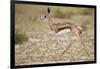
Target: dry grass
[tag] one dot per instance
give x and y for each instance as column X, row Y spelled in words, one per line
column 42, row 46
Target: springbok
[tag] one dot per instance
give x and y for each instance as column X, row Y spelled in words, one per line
column 62, row 26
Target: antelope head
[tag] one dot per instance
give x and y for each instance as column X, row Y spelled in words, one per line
column 48, row 12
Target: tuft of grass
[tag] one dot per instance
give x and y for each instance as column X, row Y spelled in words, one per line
column 20, row 37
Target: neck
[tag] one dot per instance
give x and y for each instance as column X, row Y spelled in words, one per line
column 50, row 22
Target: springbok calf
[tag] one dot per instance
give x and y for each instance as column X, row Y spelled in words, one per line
column 62, row 26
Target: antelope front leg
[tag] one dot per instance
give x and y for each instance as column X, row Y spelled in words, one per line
column 62, row 46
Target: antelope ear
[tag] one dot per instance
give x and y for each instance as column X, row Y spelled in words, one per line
column 48, row 10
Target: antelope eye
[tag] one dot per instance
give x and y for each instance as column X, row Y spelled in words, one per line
column 44, row 17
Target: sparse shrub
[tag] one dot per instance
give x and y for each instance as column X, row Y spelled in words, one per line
column 58, row 13
column 69, row 13
column 63, row 14
column 20, row 38
column 87, row 11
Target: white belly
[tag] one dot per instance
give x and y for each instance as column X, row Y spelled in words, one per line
column 63, row 31
column 63, row 37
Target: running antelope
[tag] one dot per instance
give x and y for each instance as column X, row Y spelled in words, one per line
column 62, row 25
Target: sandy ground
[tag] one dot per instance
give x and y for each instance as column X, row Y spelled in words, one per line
column 48, row 48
